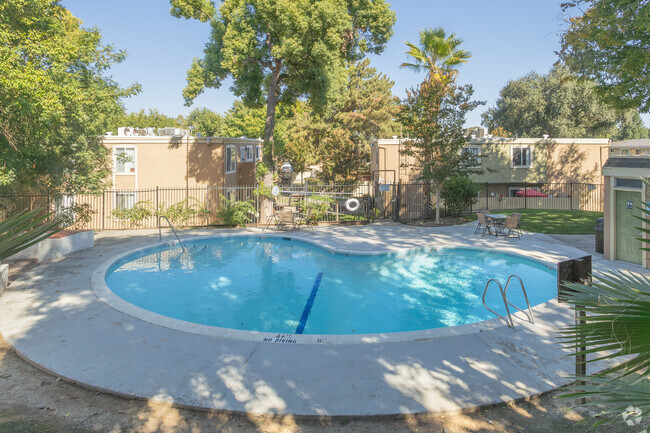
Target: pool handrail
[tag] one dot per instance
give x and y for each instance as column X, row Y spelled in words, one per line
column 171, row 227
column 506, row 302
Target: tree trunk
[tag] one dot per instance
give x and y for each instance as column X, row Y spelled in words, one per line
column 428, row 207
column 437, row 204
column 269, row 128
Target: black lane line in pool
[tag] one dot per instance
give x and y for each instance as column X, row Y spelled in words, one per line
column 308, row 305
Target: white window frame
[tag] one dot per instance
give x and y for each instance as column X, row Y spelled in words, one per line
column 512, row 154
column 135, row 160
column 124, row 193
column 478, row 153
column 232, row 158
column 250, row 157
column 242, row 154
column 258, row 152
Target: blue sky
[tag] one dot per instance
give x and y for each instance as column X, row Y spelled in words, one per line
column 507, row 39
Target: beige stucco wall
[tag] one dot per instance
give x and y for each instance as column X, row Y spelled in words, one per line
column 561, row 160
column 181, row 161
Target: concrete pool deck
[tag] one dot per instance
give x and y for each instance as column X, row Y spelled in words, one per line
column 54, row 319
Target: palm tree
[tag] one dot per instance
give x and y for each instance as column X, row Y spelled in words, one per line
column 437, row 54
column 440, row 56
column 616, row 308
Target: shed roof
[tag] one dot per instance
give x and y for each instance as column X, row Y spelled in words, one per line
column 627, row 163
column 639, row 142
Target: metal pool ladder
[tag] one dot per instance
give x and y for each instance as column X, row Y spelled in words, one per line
column 171, row 227
column 506, row 303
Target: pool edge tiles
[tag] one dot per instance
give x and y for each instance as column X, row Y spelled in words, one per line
column 98, row 281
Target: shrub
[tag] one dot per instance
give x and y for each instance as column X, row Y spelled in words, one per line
column 235, row 213
column 459, row 193
column 180, row 212
column 319, row 205
column 76, row 216
column 134, row 217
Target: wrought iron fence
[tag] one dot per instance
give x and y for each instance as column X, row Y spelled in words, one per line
column 202, row 206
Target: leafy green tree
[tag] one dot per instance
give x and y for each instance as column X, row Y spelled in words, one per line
column 610, row 44
column 207, row 122
column 630, row 126
column 55, row 101
column 341, row 135
column 556, row 104
column 433, row 114
column 280, row 49
column 151, row 118
column 438, row 54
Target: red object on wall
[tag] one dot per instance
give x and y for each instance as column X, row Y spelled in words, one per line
column 530, row 193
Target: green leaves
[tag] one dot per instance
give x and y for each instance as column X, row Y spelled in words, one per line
column 54, row 99
column 557, row 104
column 25, row 229
column 202, row 10
column 610, row 44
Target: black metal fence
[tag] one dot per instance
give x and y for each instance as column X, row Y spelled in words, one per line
column 201, row 206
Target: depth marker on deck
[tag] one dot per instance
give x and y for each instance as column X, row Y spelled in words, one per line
column 309, row 304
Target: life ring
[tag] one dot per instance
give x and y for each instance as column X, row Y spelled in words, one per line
column 352, row 204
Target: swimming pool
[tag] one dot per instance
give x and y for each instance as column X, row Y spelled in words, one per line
column 279, row 285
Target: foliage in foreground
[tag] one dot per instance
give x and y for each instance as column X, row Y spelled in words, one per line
column 616, row 328
column 25, row 229
column 49, row 136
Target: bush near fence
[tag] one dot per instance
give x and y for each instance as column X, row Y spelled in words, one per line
column 377, row 201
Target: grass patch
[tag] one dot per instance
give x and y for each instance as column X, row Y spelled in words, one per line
column 560, row 222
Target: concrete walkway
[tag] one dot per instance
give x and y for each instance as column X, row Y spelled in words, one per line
column 55, row 320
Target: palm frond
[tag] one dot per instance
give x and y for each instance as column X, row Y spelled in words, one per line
column 25, row 229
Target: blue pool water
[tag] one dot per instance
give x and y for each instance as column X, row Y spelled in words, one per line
column 283, row 286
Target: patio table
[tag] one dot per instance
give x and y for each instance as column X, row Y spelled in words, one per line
column 498, row 219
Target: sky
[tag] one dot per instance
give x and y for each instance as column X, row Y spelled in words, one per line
column 507, row 39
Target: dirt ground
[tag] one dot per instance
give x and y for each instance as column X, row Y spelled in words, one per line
column 32, row 401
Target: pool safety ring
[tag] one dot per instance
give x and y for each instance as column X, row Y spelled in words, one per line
column 352, row 204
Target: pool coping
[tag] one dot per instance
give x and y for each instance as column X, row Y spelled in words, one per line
column 54, row 320
column 105, row 294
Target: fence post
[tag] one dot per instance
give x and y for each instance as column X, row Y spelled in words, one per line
column 525, row 195
column 571, row 195
column 487, row 196
column 337, row 210
column 103, row 209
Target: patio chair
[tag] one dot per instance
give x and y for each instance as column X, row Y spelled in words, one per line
column 304, row 219
column 484, row 223
column 511, row 227
column 284, row 219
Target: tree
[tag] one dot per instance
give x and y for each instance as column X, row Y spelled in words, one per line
column 151, row 118
column 437, row 54
column 341, row 135
column 433, row 114
column 630, row 126
column 55, row 101
column 207, row 122
column 556, row 104
column 610, row 44
column 281, row 49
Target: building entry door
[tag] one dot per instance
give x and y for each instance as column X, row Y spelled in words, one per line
column 627, row 227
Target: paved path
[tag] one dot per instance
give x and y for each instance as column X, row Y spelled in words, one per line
column 54, row 319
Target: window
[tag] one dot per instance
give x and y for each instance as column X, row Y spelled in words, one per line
column 625, row 152
column 124, row 200
column 258, row 153
column 231, row 159
column 246, row 153
column 242, row 154
column 249, row 152
column 628, row 183
column 474, row 151
column 124, row 160
column 522, row 157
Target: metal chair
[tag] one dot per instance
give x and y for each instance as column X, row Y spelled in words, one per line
column 511, row 227
column 484, row 223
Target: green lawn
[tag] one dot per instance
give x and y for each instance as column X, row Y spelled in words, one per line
column 574, row 222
